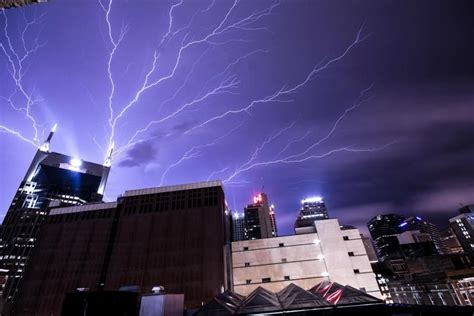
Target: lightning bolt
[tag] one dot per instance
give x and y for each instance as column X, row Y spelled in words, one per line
column 195, row 151
column 285, row 91
column 305, row 154
column 150, row 80
column 16, row 63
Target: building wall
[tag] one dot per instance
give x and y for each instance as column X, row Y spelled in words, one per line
column 306, row 259
column 69, row 255
column 177, row 237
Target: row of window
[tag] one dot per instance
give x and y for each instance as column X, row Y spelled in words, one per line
column 173, row 205
column 267, row 280
column 70, row 217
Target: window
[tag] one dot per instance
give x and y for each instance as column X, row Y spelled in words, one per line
column 281, row 245
column 266, row 280
column 351, row 254
column 248, row 281
column 345, row 237
column 283, row 260
column 246, row 248
column 356, row 271
column 287, row 277
column 247, row 264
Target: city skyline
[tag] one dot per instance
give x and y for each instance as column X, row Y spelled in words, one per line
column 383, row 89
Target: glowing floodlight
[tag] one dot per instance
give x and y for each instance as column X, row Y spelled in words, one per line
column 75, row 162
column 325, row 274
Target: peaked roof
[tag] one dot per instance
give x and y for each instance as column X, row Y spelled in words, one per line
column 294, row 297
column 323, row 295
column 260, row 300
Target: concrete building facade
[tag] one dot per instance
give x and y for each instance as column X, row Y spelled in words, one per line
column 303, row 259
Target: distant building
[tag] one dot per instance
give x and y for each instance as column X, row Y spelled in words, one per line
column 173, row 236
column 451, row 241
column 423, row 230
column 463, row 227
column 329, row 254
column 238, row 227
column 258, row 221
column 383, row 230
column 312, row 209
column 51, row 178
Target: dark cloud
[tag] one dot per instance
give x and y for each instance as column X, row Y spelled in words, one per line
column 140, row 155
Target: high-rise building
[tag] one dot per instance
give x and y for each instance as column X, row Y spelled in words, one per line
column 176, row 236
column 258, row 222
column 424, row 228
column 238, row 227
column 383, row 230
column 451, row 241
column 312, row 209
column 50, row 178
column 331, row 254
column 463, row 227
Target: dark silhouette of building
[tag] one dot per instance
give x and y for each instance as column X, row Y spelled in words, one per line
column 258, row 221
column 383, row 230
column 463, row 227
column 312, row 209
column 175, row 236
column 51, row 178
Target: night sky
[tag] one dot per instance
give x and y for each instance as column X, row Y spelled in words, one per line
column 404, row 144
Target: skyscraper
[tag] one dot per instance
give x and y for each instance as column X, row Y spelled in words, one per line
column 383, row 230
column 312, row 209
column 258, row 223
column 50, row 178
column 238, row 227
column 463, row 227
column 416, row 223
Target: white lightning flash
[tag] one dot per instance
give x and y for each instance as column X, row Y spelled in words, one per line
column 16, row 64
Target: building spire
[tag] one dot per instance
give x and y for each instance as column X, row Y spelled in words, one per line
column 45, row 146
column 108, row 156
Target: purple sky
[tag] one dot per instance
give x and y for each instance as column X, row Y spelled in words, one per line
column 416, row 58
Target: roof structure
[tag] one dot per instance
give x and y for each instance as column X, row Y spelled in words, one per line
column 325, row 295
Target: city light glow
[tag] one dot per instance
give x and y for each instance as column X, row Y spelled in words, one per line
column 312, row 199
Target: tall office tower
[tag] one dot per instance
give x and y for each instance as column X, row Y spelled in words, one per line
column 50, row 177
column 258, row 223
column 463, row 227
column 176, row 236
column 238, row 227
column 273, row 221
column 422, row 227
column 383, row 230
column 312, row 209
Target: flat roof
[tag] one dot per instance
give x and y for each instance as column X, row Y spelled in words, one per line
column 82, row 208
column 171, row 188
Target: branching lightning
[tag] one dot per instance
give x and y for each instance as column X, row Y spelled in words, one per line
column 16, row 67
column 151, row 79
